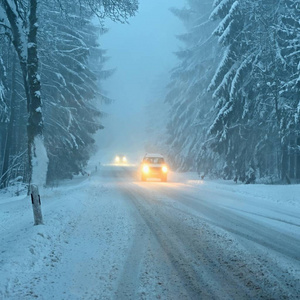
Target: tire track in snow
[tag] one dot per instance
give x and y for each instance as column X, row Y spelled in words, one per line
column 195, row 264
column 238, row 224
column 260, row 272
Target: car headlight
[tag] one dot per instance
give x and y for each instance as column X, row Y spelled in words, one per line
column 164, row 169
column 117, row 159
column 124, row 159
column 146, row 169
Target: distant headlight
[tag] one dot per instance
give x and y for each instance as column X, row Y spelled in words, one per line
column 117, row 159
column 124, row 159
column 146, row 169
column 164, row 169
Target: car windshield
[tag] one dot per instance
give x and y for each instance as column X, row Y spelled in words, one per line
column 154, row 160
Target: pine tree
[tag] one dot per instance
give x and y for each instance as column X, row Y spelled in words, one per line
column 250, row 127
column 19, row 21
column 70, row 87
column 288, row 58
column 13, row 125
column 249, row 85
column 188, row 99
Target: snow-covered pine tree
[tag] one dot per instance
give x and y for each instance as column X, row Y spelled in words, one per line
column 188, row 99
column 13, row 159
column 19, row 20
column 231, row 128
column 287, row 34
column 275, row 74
column 70, row 85
column 255, row 118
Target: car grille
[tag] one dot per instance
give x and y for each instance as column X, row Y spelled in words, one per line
column 155, row 169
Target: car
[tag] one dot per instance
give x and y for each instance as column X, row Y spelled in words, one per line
column 120, row 159
column 154, row 166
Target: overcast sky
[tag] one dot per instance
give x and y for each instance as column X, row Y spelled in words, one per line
column 142, row 53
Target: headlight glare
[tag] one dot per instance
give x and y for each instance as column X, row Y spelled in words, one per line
column 164, row 169
column 146, row 169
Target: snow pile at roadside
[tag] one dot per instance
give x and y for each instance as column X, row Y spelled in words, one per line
column 26, row 249
column 85, row 236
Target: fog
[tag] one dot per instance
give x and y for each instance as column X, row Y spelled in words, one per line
column 231, row 109
column 142, row 52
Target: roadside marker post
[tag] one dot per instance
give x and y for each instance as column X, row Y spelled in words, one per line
column 36, row 205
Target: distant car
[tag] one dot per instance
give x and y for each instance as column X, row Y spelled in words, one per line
column 120, row 159
column 154, row 166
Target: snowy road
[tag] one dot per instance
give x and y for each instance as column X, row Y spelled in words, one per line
column 114, row 237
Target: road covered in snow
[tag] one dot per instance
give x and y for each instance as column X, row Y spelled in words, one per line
column 111, row 236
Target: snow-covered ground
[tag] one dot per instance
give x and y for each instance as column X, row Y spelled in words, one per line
column 110, row 236
column 286, row 195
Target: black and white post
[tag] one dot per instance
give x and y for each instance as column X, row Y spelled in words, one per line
column 36, row 204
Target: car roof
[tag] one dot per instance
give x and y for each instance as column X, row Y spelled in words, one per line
column 153, row 155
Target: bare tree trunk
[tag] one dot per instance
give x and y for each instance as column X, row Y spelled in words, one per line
column 284, row 164
column 35, row 120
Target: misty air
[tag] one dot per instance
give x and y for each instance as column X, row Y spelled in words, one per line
column 149, row 149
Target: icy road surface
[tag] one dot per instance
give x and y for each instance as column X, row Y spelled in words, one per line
column 111, row 236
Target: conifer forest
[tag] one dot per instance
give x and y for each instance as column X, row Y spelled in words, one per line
column 233, row 98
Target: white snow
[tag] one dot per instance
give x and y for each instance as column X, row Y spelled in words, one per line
column 219, row 7
column 38, row 94
column 39, row 162
column 1, row 91
column 31, row 45
column 89, row 227
column 283, row 195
